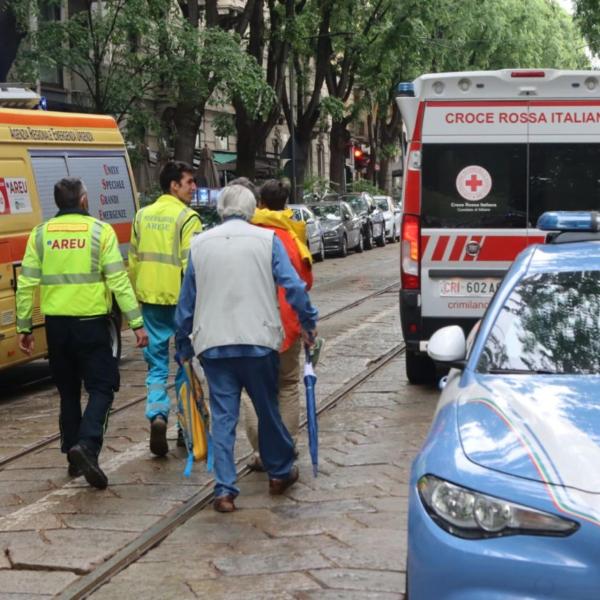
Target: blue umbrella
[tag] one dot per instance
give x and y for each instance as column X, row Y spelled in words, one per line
column 310, row 379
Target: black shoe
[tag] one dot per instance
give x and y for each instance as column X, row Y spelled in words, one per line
column 180, row 439
column 84, row 460
column 158, row 436
column 74, row 470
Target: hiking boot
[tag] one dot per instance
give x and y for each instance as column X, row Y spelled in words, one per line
column 158, row 436
column 74, row 470
column 278, row 486
column 180, row 439
column 87, row 462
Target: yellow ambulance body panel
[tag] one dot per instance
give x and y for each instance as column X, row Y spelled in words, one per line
column 37, row 148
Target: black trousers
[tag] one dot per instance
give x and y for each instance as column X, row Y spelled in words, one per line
column 80, row 350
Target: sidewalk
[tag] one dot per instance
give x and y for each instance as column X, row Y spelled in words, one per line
column 341, row 535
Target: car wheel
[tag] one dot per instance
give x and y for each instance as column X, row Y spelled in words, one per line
column 419, row 368
column 381, row 240
column 344, row 247
column 320, row 255
column 360, row 246
column 368, row 239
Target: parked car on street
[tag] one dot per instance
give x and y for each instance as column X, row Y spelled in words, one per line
column 505, row 492
column 341, row 227
column 373, row 224
column 314, row 231
column 208, row 215
column 391, row 215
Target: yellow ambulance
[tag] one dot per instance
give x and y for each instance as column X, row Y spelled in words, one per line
column 37, row 148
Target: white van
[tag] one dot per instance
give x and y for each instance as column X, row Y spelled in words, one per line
column 488, row 152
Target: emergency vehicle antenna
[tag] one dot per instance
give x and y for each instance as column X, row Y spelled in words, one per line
column 18, row 95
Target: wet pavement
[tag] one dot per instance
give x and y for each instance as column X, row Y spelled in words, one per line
column 341, row 535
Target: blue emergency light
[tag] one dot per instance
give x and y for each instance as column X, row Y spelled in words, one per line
column 580, row 220
column 405, row 88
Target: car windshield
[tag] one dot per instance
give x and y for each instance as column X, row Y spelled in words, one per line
column 550, row 323
column 382, row 203
column 356, row 203
column 327, row 211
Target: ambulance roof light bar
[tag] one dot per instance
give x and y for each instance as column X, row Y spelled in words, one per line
column 18, row 95
column 505, row 84
column 565, row 220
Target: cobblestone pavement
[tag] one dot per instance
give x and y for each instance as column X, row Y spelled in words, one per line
column 340, row 535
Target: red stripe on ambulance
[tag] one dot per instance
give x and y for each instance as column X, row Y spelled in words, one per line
column 440, row 247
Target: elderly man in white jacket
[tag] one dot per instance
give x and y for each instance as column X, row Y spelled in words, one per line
column 227, row 315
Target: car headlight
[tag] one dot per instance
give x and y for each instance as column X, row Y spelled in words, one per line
column 468, row 514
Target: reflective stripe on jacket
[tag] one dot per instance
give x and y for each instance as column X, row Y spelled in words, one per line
column 75, row 259
column 160, row 244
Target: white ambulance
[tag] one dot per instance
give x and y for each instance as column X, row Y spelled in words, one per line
column 488, row 152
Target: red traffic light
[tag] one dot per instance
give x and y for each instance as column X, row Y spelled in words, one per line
column 358, row 153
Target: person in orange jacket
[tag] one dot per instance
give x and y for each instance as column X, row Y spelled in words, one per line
column 273, row 214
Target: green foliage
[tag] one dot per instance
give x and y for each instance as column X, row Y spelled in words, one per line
column 316, row 185
column 362, row 185
column 587, row 15
column 223, row 125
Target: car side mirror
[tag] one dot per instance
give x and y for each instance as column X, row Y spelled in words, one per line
column 371, row 209
column 397, row 211
column 347, row 217
column 310, row 221
column 448, row 347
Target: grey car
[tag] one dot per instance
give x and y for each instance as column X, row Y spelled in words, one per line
column 373, row 223
column 392, row 216
column 314, row 232
column 341, row 227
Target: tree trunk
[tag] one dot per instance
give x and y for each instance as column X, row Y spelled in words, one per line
column 303, row 147
column 248, row 145
column 382, row 175
column 338, row 148
column 187, row 122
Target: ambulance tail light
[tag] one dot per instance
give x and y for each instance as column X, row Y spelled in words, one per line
column 410, row 252
column 527, row 74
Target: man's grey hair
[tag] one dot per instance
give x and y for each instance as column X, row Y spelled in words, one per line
column 236, row 201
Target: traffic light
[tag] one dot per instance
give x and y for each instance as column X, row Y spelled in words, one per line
column 361, row 159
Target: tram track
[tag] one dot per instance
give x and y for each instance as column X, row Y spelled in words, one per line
column 47, row 440
column 150, row 538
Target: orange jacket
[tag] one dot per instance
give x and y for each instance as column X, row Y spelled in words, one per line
column 289, row 319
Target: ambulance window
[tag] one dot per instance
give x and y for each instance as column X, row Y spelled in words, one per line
column 48, row 170
column 563, row 177
column 504, row 205
column 107, row 180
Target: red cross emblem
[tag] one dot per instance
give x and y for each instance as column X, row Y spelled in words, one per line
column 473, row 183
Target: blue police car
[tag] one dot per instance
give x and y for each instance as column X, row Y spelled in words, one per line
column 505, row 493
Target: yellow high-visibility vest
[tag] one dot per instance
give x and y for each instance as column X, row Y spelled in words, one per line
column 161, row 236
column 75, row 259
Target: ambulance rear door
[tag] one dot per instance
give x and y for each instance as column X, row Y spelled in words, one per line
column 564, row 157
column 474, row 220
column 106, row 176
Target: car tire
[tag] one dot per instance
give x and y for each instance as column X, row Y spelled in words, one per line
column 381, row 240
column 420, row 369
column 368, row 241
column 320, row 255
column 360, row 246
column 344, row 247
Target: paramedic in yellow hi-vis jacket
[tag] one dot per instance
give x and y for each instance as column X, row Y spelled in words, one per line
column 158, row 255
column 75, row 260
